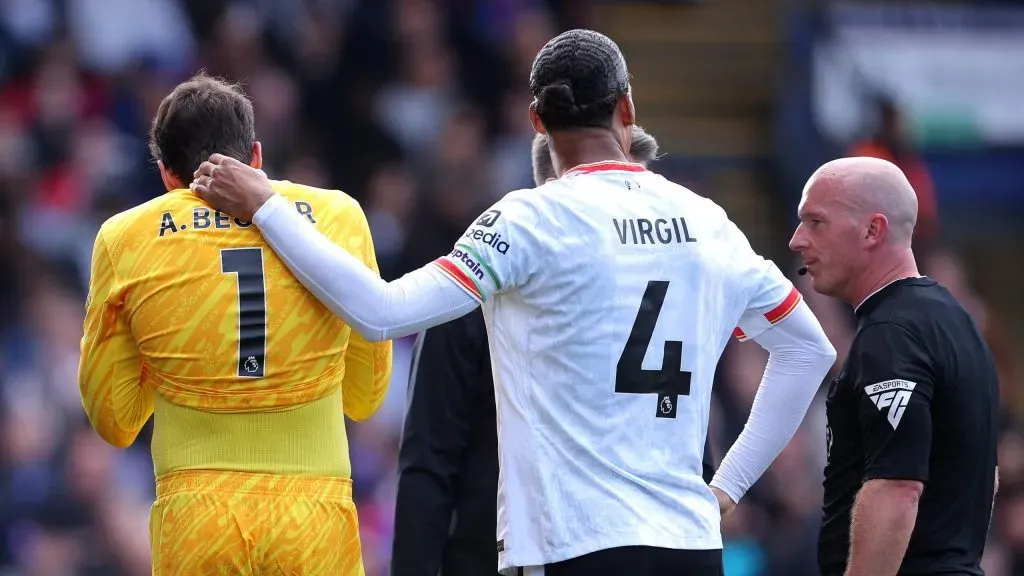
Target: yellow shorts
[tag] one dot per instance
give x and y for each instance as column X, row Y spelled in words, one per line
column 211, row 523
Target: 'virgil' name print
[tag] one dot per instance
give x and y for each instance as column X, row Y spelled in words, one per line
column 656, row 231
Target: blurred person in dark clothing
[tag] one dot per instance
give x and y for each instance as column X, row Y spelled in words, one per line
column 64, row 523
column 889, row 142
column 913, row 414
column 9, row 244
column 391, row 199
column 457, row 186
column 445, row 514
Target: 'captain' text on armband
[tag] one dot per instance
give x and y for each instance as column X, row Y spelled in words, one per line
column 202, row 218
column 468, row 262
column 468, row 270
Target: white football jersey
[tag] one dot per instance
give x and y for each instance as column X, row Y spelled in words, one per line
column 609, row 296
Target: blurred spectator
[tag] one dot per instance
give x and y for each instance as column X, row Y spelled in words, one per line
column 890, row 142
column 156, row 29
column 392, row 196
column 946, row 268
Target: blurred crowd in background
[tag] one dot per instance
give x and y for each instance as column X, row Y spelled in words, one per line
column 418, row 109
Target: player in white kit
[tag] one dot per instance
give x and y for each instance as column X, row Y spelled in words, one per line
column 609, row 296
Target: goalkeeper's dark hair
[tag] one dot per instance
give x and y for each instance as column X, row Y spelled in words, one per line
column 202, row 116
column 577, row 80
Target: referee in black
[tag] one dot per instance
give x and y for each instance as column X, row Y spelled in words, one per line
column 446, row 508
column 912, row 415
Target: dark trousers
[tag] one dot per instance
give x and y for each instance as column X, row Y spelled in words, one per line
column 641, row 561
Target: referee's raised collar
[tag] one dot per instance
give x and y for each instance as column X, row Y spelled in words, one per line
column 869, row 303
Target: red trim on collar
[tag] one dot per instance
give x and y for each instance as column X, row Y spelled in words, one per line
column 604, row 167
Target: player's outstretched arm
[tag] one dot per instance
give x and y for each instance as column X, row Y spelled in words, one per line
column 799, row 357
column 367, row 364
column 117, row 403
column 376, row 309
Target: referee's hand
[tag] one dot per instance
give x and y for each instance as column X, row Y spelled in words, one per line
column 725, row 504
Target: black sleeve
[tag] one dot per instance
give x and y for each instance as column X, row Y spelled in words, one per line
column 894, row 382
column 442, row 388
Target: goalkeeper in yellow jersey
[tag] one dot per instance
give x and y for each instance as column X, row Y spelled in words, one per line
column 193, row 319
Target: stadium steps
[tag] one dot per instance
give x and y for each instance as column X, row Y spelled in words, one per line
column 704, row 83
column 703, row 74
column 742, row 194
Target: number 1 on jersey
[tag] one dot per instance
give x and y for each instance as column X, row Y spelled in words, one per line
column 247, row 265
column 669, row 382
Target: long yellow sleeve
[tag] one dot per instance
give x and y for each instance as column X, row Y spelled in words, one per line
column 367, row 364
column 367, row 375
column 116, row 401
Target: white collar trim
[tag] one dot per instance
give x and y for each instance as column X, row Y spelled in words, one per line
column 882, row 288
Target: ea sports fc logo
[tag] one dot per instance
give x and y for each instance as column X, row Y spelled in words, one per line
column 492, row 239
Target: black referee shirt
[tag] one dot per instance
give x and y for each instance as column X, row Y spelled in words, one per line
column 446, row 509
column 916, row 399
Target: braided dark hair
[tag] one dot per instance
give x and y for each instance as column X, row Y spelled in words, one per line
column 577, row 79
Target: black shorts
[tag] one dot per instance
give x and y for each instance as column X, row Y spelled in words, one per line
column 638, row 561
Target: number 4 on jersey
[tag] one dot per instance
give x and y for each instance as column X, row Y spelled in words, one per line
column 669, row 382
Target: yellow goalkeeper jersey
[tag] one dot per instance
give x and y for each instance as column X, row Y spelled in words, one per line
column 192, row 317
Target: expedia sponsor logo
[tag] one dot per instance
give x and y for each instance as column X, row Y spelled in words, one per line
column 492, row 239
column 488, row 218
column 467, row 261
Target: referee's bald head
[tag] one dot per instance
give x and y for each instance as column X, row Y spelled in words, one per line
column 857, row 217
column 869, row 186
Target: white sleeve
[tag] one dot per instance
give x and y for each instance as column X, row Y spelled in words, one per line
column 800, row 356
column 770, row 296
column 376, row 309
column 494, row 254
